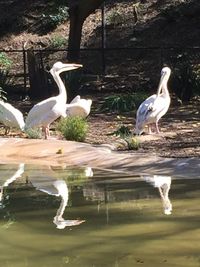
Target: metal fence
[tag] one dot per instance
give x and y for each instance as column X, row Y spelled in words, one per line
column 125, row 59
column 139, row 63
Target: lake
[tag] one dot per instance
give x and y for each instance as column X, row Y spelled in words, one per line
column 61, row 216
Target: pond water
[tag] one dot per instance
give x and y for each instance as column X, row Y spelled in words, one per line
column 58, row 216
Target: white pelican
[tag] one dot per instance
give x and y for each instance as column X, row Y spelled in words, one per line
column 48, row 110
column 79, row 107
column 155, row 106
column 11, row 117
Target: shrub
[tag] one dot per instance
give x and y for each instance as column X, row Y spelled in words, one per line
column 56, row 17
column 34, row 133
column 5, row 62
column 186, row 81
column 132, row 142
column 73, row 128
column 2, row 94
column 123, row 103
column 122, row 131
column 114, row 17
column 58, row 41
column 5, row 65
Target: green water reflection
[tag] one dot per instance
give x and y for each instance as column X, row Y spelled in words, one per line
column 56, row 216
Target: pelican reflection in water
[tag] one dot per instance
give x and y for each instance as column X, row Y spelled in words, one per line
column 45, row 181
column 8, row 177
column 163, row 183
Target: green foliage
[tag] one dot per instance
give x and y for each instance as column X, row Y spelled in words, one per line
column 186, row 81
column 5, row 62
column 114, row 17
column 5, row 81
column 73, row 128
column 123, row 103
column 55, row 17
column 34, row 133
column 2, row 94
column 58, row 41
column 72, row 81
column 122, row 131
column 132, row 142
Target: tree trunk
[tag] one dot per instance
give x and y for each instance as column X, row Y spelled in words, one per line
column 76, row 24
column 79, row 10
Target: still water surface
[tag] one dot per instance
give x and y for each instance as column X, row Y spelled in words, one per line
column 57, row 216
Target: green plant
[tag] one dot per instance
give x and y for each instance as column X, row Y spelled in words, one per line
column 132, row 142
column 122, row 131
column 72, row 81
column 2, row 94
column 186, row 81
column 5, row 65
column 58, row 41
column 5, row 62
column 34, row 133
column 73, row 128
column 114, row 17
column 123, row 103
column 56, row 17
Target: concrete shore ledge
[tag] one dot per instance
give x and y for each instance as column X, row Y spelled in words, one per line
column 55, row 152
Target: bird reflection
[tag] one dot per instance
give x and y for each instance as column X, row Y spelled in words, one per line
column 45, row 180
column 163, row 183
column 8, row 179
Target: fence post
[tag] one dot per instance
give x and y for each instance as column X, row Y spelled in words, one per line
column 24, row 64
column 103, row 37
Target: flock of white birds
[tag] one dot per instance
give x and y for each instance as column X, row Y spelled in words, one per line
column 47, row 111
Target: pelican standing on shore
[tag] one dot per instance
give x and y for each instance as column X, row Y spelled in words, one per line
column 155, row 106
column 50, row 109
column 11, row 117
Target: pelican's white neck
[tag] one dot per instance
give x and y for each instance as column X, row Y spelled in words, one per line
column 62, row 90
column 162, row 87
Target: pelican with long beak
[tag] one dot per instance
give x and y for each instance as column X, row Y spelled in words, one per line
column 155, row 106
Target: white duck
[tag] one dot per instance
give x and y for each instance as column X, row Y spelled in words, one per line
column 155, row 106
column 48, row 110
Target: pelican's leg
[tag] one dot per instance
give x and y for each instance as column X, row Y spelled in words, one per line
column 45, row 130
column 48, row 132
column 7, row 130
column 157, row 129
column 149, row 129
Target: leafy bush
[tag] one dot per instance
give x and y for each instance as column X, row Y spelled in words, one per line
column 5, row 62
column 114, row 17
column 132, row 142
column 56, row 17
column 186, row 81
column 34, row 133
column 58, row 41
column 122, row 131
column 2, row 94
column 73, row 128
column 123, row 103
column 5, row 65
column 72, row 81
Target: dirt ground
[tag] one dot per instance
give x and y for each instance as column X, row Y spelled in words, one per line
column 179, row 137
